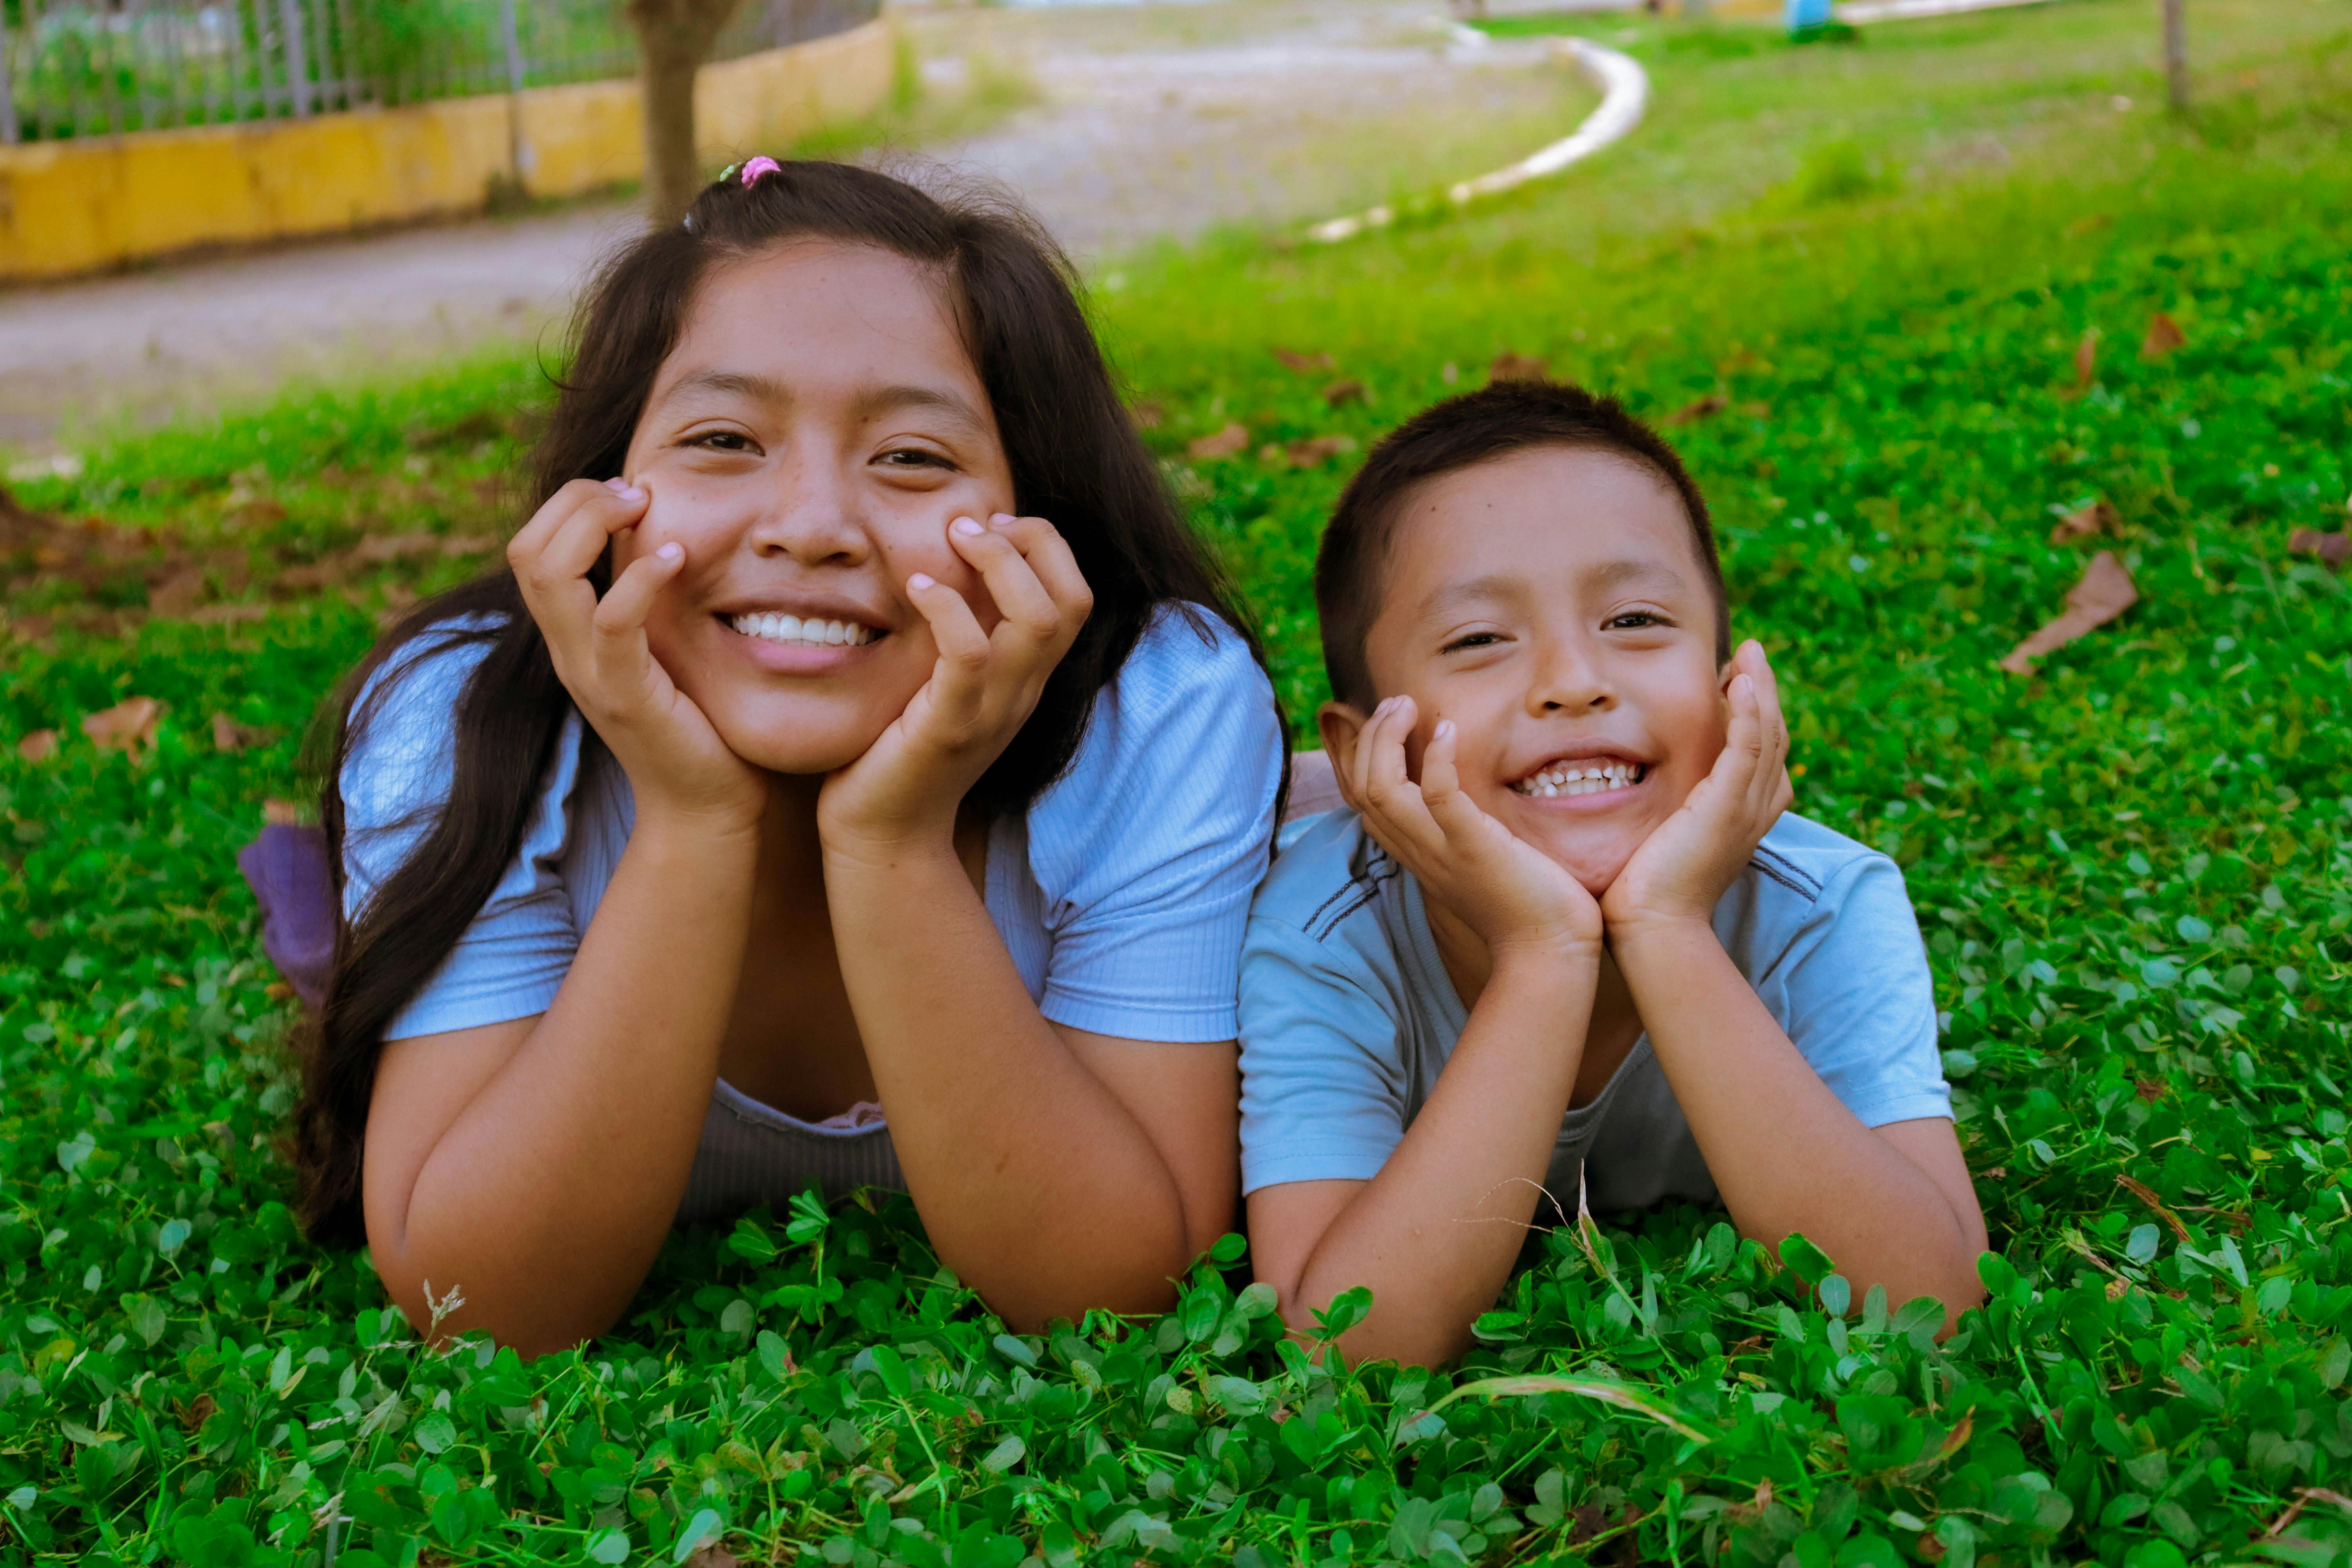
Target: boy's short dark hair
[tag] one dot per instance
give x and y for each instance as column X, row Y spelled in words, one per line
column 1508, row 416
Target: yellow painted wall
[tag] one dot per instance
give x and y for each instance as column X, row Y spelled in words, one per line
column 83, row 206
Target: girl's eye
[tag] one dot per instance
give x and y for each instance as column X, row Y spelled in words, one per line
column 721, row 441
column 913, row 458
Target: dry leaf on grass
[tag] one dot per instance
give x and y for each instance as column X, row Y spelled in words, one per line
column 713, row 1555
column 229, row 735
column 1304, row 364
column 2333, row 548
column 1342, row 393
column 1318, row 449
column 1706, row 407
column 2098, row 517
column 1759, row 409
column 32, row 628
column 129, row 724
column 1223, row 443
column 2086, row 363
column 1518, row 367
column 281, row 812
column 2106, row 591
column 1147, row 415
column 38, row 746
column 2164, row 335
column 2089, row 225
column 458, row 544
column 178, row 594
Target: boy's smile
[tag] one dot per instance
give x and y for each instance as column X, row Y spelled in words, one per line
column 1552, row 604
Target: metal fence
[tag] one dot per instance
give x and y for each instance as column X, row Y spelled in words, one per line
column 98, row 68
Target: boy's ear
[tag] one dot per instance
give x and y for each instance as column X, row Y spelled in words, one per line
column 1339, row 723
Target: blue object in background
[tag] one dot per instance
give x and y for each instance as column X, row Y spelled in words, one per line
column 1804, row 13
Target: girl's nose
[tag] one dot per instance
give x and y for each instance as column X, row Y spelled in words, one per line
column 810, row 517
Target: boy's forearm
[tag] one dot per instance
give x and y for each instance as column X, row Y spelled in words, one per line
column 1785, row 1153
column 1435, row 1232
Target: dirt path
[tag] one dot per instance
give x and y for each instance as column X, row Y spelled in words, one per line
column 1156, row 121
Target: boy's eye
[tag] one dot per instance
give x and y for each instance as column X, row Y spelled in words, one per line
column 1633, row 619
column 1474, row 639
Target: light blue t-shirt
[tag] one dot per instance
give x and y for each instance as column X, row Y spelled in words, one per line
column 1121, row 893
column 1349, row 1016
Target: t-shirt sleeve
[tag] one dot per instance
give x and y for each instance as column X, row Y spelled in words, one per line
column 1323, row 1080
column 1859, row 1001
column 1146, row 850
column 510, row 961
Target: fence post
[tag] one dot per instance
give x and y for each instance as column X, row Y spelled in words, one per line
column 8, row 98
column 519, row 155
column 297, row 67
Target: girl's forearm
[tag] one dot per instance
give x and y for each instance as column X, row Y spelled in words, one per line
column 1785, row 1153
column 1435, row 1233
column 547, row 1199
column 1036, row 1185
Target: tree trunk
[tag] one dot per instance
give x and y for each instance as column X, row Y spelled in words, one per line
column 673, row 37
column 2175, row 55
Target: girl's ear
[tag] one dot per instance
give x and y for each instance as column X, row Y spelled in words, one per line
column 1339, row 723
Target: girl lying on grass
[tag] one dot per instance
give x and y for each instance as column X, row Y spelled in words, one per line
column 856, row 735
column 1566, row 928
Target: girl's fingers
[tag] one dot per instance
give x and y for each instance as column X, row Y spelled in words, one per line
column 1049, row 556
column 963, row 646
column 1020, row 597
column 618, row 645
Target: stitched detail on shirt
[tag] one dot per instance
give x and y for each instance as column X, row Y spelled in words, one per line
column 1787, row 872
column 1788, row 877
column 1358, row 891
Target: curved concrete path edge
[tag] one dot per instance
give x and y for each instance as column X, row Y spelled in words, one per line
column 1624, row 94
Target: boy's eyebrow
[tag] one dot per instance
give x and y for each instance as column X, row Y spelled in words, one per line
column 1495, row 585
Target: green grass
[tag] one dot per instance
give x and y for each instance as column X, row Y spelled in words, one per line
column 2133, row 868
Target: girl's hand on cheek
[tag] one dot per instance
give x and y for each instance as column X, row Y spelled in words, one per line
column 982, row 688
column 1683, row 869
column 677, row 766
column 1515, row 898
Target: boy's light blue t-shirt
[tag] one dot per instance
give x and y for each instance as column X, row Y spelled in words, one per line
column 1347, row 1014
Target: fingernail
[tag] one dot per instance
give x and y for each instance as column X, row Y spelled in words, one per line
column 616, row 484
column 919, row 580
column 630, row 492
column 1002, row 518
column 1444, row 728
column 673, row 551
column 965, row 526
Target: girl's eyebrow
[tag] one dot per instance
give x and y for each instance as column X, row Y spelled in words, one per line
column 880, row 400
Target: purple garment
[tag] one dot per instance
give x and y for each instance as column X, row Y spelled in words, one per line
column 286, row 868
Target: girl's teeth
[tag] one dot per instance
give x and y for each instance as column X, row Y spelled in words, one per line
column 775, row 627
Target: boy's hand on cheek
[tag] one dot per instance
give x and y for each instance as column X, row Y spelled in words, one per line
column 1682, row 869
column 1515, row 897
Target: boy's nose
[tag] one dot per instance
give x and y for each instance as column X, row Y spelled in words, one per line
column 1567, row 680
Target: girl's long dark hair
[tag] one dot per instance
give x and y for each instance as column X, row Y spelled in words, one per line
column 1076, row 459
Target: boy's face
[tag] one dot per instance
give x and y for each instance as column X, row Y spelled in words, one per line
column 1552, row 604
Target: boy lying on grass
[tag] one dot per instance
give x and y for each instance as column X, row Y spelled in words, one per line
column 1568, row 928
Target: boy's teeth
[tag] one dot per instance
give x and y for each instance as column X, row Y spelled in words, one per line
column 772, row 625
column 1587, row 778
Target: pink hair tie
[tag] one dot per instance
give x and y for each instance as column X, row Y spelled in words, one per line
column 759, row 166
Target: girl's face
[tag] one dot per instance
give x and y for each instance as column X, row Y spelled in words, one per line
column 809, row 441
